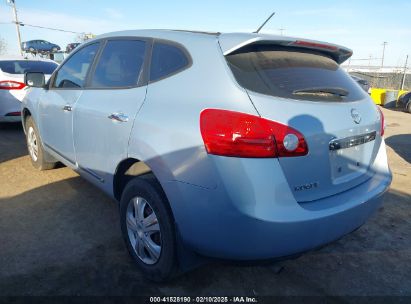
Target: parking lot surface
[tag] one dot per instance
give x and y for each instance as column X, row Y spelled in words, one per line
column 59, row 235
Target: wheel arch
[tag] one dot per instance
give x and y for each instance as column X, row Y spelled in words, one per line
column 126, row 170
column 25, row 113
column 130, row 168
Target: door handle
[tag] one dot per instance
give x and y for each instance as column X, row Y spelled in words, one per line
column 67, row 108
column 120, row 117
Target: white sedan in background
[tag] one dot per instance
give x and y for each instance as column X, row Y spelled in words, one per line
column 12, row 87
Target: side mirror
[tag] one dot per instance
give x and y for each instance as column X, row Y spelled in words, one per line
column 34, row 79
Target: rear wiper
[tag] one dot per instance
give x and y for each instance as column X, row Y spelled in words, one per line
column 321, row 91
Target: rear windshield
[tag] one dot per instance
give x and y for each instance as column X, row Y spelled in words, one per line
column 292, row 73
column 24, row 66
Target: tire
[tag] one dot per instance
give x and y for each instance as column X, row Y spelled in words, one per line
column 408, row 106
column 144, row 193
column 35, row 147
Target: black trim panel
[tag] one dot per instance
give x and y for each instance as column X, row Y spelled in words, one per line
column 352, row 141
column 96, row 176
column 61, row 155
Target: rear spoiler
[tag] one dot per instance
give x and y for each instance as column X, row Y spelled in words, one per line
column 233, row 42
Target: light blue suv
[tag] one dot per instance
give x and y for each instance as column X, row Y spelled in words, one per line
column 232, row 146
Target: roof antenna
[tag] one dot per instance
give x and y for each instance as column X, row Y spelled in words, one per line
column 262, row 25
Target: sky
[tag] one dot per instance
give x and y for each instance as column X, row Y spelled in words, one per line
column 360, row 25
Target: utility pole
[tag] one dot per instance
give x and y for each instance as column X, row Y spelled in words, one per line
column 281, row 31
column 12, row 3
column 383, row 52
column 405, row 73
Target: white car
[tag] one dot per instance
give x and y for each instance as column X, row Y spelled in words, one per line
column 12, row 87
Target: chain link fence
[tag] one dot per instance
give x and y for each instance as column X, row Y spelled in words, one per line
column 387, row 77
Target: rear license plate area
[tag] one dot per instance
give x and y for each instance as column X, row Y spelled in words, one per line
column 350, row 157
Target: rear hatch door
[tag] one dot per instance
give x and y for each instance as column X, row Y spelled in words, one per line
column 303, row 86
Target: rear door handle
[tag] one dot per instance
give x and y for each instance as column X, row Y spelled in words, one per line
column 67, row 108
column 120, row 117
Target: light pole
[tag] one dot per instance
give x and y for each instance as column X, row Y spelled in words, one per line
column 383, row 52
column 405, row 73
column 12, row 3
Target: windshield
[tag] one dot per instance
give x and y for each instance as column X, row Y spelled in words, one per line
column 24, row 66
column 292, row 73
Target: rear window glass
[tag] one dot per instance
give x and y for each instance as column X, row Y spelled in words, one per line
column 166, row 60
column 292, row 73
column 24, row 66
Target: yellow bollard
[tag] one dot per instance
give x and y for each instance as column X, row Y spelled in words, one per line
column 378, row 95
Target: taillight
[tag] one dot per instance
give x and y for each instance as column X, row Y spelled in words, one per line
column 230, row 133
column 14, row 114
column 11, row 85
column 382, row 122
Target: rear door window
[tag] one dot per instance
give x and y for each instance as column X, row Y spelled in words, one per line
column 120, row 64
column 24, row 66
column 166, row 60
column 73, row 72
column 292, row 73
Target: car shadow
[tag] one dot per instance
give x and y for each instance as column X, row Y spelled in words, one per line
column 12, row 141
column 401, row 144
column 64, row 238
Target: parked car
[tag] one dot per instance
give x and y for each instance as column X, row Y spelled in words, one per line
column 405, row 102
column 71, row 46
column 12, row 87
column 39, row 46
column 233, row 146
column 364, row 84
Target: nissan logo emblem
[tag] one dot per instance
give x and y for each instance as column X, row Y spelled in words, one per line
column 355, row 116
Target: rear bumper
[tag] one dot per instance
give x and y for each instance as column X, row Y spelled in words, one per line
column 251, row 218
column 9, row 103
column 10, row 118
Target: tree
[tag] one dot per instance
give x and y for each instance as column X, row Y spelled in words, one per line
column 3, row 46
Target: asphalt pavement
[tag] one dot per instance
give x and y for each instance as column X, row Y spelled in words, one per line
column 59, row 235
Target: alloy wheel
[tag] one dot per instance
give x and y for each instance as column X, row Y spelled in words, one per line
column 32, row 144
column 143, row 230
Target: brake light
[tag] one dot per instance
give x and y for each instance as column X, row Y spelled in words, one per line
column 230, row 133
column 382, row 122
column 11, row 85
column 314, row 45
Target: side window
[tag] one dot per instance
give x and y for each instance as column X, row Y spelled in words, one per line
column 120, row 64
column 73, row 73
column 166, row 59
